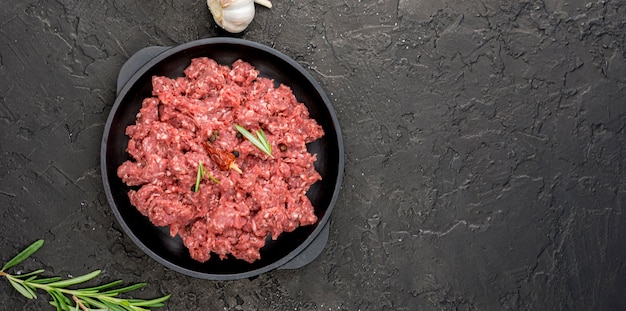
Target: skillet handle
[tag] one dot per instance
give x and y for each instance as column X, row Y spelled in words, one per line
column 135, row 62
column 310, row 252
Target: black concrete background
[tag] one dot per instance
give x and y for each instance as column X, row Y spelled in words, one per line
column 485, row 150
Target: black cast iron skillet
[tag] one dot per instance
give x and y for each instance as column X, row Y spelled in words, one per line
column 291, row 250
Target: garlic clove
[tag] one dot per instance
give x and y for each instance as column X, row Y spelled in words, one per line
column 265, row 3
column 234, row 15
column 215, row 6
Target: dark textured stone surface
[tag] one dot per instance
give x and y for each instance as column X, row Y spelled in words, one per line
column 485, row 150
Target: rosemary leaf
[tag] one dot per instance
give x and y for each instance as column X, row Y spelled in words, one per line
column 23, row 290
column 124, row 289
column 76, row 280
column 55, row 303
column 263, row 140
column 113, row 307
column 104, row 286
column 202, row 172
column 94, row 302
column 46, row 280
column 23, row 255
column 205, row 173
column 260, row 140
column 31, row 274
column 198, row 177
column 153, row 303
column 31, row 291
column 63, row 301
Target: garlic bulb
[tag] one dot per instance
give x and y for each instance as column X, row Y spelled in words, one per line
column 234, row 15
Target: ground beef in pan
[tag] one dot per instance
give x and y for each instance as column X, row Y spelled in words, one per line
column 237, row 213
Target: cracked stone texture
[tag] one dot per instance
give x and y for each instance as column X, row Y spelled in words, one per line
column 485, row 150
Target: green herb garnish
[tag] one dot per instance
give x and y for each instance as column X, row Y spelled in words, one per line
column 202, row 172
column 102, row 297
column 260, row 141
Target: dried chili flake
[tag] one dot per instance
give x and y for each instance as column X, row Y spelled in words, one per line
column 224, row 159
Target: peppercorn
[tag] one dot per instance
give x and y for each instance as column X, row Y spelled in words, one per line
column 214, row 135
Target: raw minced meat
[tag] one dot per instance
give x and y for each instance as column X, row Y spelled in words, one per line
column 235, row 212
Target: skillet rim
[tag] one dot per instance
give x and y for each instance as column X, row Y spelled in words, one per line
column 320, row 225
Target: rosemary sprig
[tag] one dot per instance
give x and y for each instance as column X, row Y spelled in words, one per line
column 102, row 297
column 260, row 140
column 202, row 172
